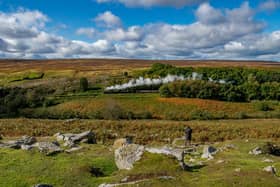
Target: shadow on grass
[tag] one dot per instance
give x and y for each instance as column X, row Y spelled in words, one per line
column 193, row 168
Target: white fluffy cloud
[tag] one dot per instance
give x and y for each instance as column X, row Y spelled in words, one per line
column 108, row 19
column 269, row 5
column 230, row 33
column 151, row 3
column 89, row 32
column 22, row 35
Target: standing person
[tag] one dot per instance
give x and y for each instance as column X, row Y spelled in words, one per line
column 188, row 136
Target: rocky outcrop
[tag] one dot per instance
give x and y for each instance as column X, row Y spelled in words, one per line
column 208, row 152
column 256, row 151
column 120, row 143
column 48, row 148
column 72, row 139
column 177, row 153
column 24, row 142
column 127, row 155
column 270, row 169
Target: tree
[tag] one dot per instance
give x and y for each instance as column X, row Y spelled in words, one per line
column 83, row 84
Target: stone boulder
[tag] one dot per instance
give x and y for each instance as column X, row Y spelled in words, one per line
column 28, row 140
column 120, row 143
column 177, row 153
column 256, row 151
column 208, row 152
column 18, row 144
column 270, row 169
column 43, row 185
column 48, row 148
column 85, row 137
column 127, row 155
column 26, row 147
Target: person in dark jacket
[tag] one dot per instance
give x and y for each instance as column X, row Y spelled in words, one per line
column 188, row 136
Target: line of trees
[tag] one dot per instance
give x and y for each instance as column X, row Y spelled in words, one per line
column 227, row 92
column 235, row 75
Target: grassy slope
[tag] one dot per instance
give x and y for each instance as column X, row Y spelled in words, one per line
column 161, row 108
column 147, row 131
column 20, row 168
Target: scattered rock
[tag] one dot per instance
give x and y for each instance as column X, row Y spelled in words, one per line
column 126, row 156
column 43, row 185
column 256, row 151
column 192, row 160
column 208, row 152
column 120, row 143
column 227, row 147
column 237, row 170
column 48, row 148
column 220, row 161
column 85, row 137
column 270, row 169
column 28, row 140
column 270, row 148
column 17, row 144
column 74, row 149
column 247, row 141
column 177, row 153
column 268, row 160
column 26, row 147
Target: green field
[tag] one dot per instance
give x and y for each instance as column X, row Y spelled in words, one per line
column 21, row 168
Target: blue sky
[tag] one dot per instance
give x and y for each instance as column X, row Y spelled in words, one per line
column 155, row 29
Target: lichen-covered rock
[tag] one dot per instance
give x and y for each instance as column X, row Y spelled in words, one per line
column 127, row 155
column 270, row 169
column 17, row 144
column 120, row 143
column 48, row 148
column 177, row 153
column 26, row 147
column 256, row 151
column 28, row 140
column 85, row 137
column 208, row 152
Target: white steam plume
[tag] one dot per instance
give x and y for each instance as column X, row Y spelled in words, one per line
column 146, row 81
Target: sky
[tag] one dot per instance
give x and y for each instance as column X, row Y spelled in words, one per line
column 140, row 29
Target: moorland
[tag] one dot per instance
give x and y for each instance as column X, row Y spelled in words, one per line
column 224, row 102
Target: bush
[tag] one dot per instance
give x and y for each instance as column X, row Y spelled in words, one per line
column 263, row 106
column 242, row 115
column 112, row 111
column 200, row 115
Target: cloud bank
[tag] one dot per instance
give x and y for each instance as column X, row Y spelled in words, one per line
column 215, row 34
